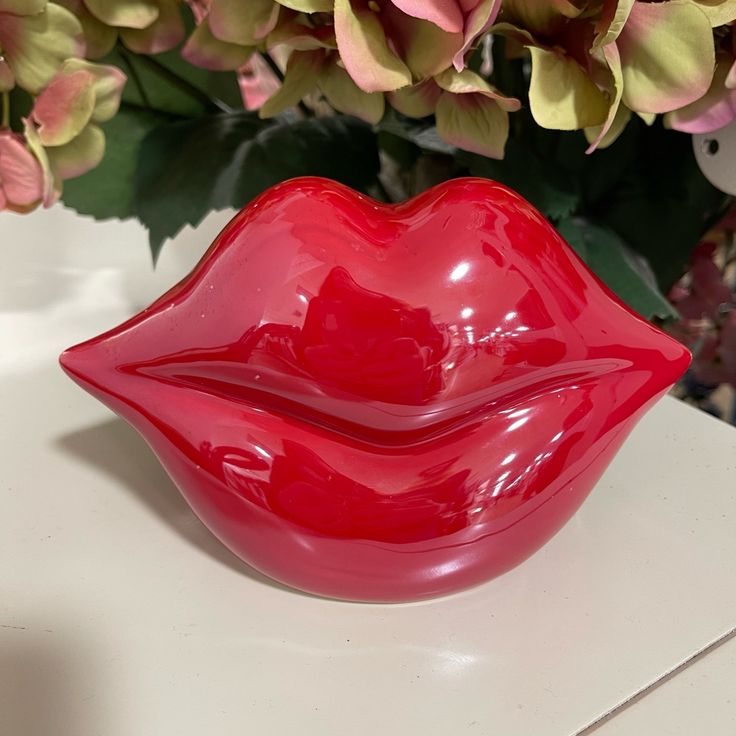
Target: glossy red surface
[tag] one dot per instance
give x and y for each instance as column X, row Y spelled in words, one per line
column 379, row 402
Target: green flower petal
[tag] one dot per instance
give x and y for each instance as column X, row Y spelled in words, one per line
column 100, row 38
column 474, row 123
column 308, row 6
column 166, row 32
column 346, row 97
column 710, row 112
column 124, row 13
column 613, row 130
column 598, row 135
column 719, row 12
column 300, row 79
column 64, row 108
column 365, row 51
column 731, row 77
column 477, row 22
column 242, row 23
column 667, row 56
column 80, row 156
column 417, row 101
column 36, row 45
column 426, row 48
column 520, row 35
column 22, row 7
column 204, row 50
column 107, row 85
column 614, row 15
column 51, row 187
column 538, row 16
column 468, row 82
column 296, row 36
column 561, row 95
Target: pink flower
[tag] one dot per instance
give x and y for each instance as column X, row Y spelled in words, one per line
column 469, row 17
column 707, row 305
column 35, row 38
column 21, row 178
column 388, row 45
column 715, row 109
column 257, row 83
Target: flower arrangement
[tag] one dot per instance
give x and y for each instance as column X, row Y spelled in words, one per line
column 164, row 110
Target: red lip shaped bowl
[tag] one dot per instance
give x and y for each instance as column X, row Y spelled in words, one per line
column 383, row 403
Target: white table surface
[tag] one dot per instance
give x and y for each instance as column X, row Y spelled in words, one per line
column 120, row 615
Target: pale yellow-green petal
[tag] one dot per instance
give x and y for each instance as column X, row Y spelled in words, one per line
column 51, row 185
column 468, row 82
column 426, row 48
column 561, row 95
column 108, row 86
column 164, row 34
column 79, row 156
column 99, row 37
column 299, row 37
column 22, row 7
column 474, row 123
column 45, row 40
column 64, row 108
column 124, row 13
column 719, row 12
column 538, row 16
column 308, row 6
column 365, row 51
column 346, row 97
column 302, row 73
column 518, row 34
column 614, row 15
column 242, row 22
column 602, row 135
column 667, row 56
column 613, row 131
column 204, row 50
column 417, row 101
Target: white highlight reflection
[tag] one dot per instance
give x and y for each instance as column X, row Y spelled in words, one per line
column 460, row 271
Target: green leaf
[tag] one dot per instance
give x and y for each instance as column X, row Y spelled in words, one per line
column 542, row 182
column 152, row 83
column 189, row 168
column 150, row 80
column 340, row 148
column 20, row 107
column 107, row 191
column 625, row 272
column 661, row 204
column 420, row 132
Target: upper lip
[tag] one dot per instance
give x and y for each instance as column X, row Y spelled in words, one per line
column 391, row 330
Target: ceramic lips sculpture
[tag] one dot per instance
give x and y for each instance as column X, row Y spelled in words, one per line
column 384, row 403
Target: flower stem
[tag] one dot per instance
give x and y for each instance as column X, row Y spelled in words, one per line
column 136, row 79
column 273, row 66
column 6, row 111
